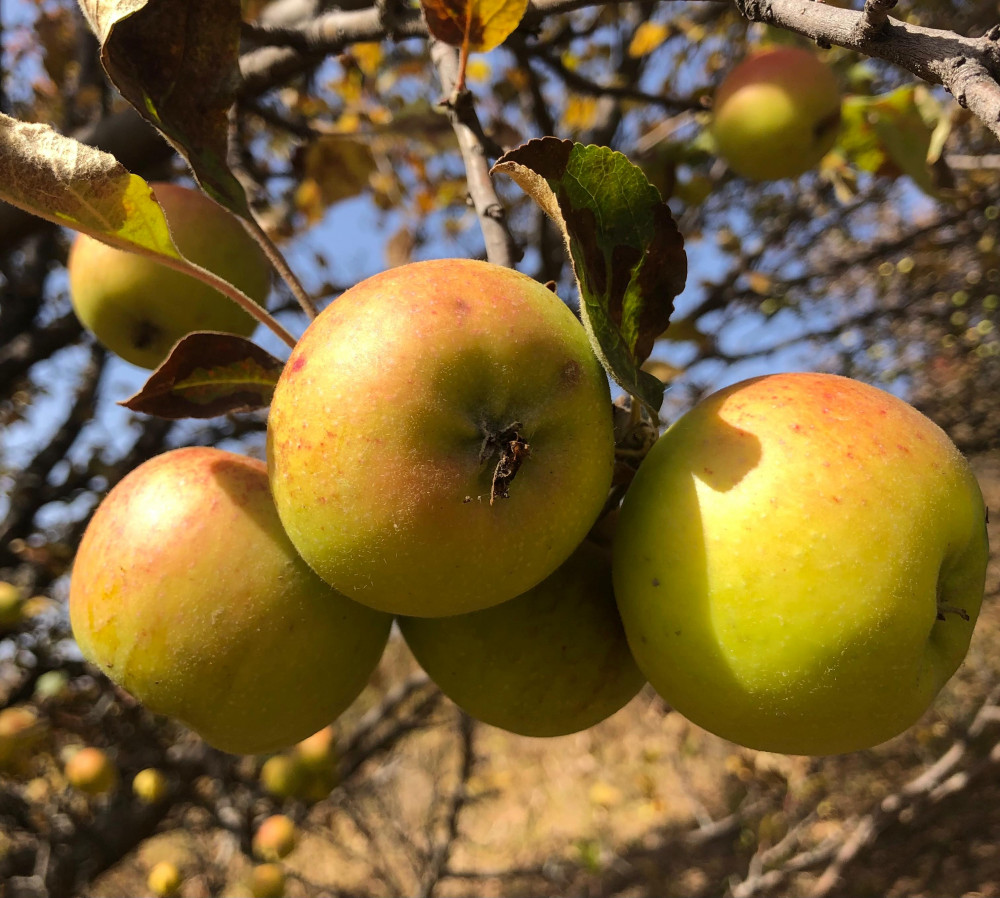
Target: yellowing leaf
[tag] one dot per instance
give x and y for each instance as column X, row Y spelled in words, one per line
column 580, row 113
column 648, row 36
column 484, row 24
column 478, row 70
column 368, row 56
column 336, row 168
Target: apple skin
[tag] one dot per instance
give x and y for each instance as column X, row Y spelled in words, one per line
column 139, row 309
column 150, row 785
column 780, row 558
column 550, row 662
column 187, row 593
column 165, row 879
column 377, row 426
column 776, row 114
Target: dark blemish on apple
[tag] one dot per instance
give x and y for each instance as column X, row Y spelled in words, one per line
column 299, row 363
column 145, row 334
column 676, row 633
column 656, row 581
column 571, row 373
column 709, row 471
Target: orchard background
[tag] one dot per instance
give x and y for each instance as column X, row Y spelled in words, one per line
column 882, row 264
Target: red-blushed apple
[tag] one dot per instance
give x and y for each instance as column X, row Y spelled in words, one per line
column 799, row 563
column 188, row 594
column 776, row 114
column 139, row 309
column 550, row 662
column 275, row 838
column 91, row 770
column 441, row 438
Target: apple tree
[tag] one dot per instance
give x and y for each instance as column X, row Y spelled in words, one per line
column 591, row 146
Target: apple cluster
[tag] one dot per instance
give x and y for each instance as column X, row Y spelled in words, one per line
column 797, row 565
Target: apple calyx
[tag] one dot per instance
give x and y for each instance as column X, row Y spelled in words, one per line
column 512, row 450
column 145, row 334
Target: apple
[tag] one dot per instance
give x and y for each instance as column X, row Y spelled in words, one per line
column 11, row 602
column 267, row 881
column 139, row 309
column 164, row 879
column 150, row 785
column 441, row 438
column 283, row 776
column 550, row 662
column 52, row 686
column 187, row 593
column 275, row 838
column 799, row 563
column 21, row 730
column 317, row 752
column 91, row 770
column 776, row 114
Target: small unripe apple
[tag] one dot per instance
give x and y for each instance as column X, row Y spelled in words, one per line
column 776, row 114
column 188, row 594
column 150, row 785
column 138, row 308
column 91, row 770
column 283, row 776
column 164, row 879
column 267, row 881
column 550, row 662
column 275, row 838
column 441, row 438
column 800, row 562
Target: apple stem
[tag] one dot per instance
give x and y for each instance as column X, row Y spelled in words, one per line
column 281, row 266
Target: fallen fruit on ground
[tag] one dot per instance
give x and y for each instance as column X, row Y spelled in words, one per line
column 138, row 308
column 776, row 114
column 11, row 602
column 267, row 881
column 550, row 662
column 440, row 439
column 91, row 770
column 150, row 785
column 799, row 563
column 188, row 594
column 21, row 729
column 164, row 879
column 275, row 838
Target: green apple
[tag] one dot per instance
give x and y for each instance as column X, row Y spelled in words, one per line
column 139, row 309
column 799, row 563
column 776, row 114
column 550, row 662
column 441, row 438
column 91, row 770
column 164, row 879
column 275, row 838
column 187, row 593
column 150, row 785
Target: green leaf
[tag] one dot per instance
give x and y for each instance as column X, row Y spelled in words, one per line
column 891, row 134
column 209, row 374
column 73, row 184
column 626, row 250
column 177, row 63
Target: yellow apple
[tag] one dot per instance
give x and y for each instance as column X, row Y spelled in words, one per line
column 91, row 770
column 267, row 881
column 550, row 662
column 11, row 605
column 138, row 308
column 164, row 879
column 21, row 730
column 275, row 838
column 283, row 776
column 799, row 563
column 150, row 786
column 398, row 409
column 187, row 593
column 776, row 114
